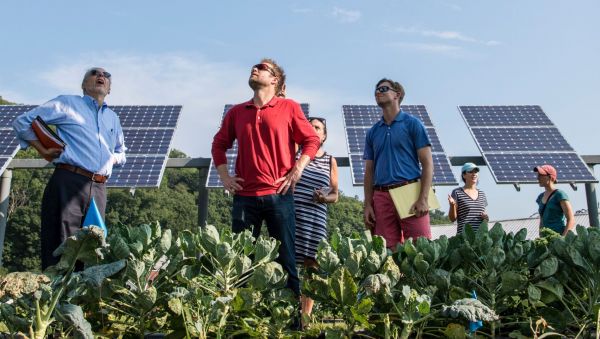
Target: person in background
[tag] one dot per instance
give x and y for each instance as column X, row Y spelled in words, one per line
column 317, row 187
column 554, row 207
column 468, row 203
column 95, row 143
column 397, row 152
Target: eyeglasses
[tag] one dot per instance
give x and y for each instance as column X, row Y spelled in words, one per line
column 96, row 72
column 384, row 89
column 322, row 120
column 264, row 67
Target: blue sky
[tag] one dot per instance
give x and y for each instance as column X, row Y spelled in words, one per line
column 199, row 53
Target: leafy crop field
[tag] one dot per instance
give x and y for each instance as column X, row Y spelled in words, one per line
column 210, row 284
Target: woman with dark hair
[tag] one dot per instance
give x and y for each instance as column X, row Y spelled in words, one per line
column 553, row 205
column 317, row 187
column 468, row 203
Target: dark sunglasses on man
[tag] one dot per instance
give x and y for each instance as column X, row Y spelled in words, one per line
column 384, row 89
column 322, row 120
column 264, row 67
column 96, row 72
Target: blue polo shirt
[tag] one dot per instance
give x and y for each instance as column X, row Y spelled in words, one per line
column 393, row 149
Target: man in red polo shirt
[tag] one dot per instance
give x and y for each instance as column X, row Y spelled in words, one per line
column 267, row 128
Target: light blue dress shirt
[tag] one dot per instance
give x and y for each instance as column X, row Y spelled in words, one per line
column 94, row 137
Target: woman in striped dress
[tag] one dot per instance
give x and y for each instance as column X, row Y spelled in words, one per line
column 317, row 187
column 468, row 203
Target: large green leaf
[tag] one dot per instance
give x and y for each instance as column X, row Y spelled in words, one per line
column 392, row 270
column 84, row 246
column 268, row 276
column 328, row 260
column 343, row 287
column 547, row 268
column 95, row 275
column 118, row 247
column 165, row 241
column 73, row 315
column 265, row 250
column 209, row 238
column 497, row 233
column 512, row 281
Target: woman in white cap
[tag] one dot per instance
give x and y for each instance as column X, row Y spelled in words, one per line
column 468, row 203
column 554, row 207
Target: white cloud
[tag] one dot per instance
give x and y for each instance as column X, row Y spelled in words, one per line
column 299, row 10
column 444, row 49
column 346, row 15
column 202, row 86
column 444, row 35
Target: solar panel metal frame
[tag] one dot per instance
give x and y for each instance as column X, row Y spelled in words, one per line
column 9, row 112
column 213, row 181
column 419, row 111
column 538, row 119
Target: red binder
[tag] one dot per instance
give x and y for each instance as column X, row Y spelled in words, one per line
column 46, row 136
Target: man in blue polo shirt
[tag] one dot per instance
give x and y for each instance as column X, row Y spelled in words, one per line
column 394, row 148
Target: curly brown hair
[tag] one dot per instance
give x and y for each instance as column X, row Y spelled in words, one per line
column 279, row 74
column 395, row 86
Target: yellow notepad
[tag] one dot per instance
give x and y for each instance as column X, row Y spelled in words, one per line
column 405, row 196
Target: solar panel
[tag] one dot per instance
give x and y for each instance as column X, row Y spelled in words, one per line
column 8, row 140
column 139, row 171
column 148, row 132
column 148, row 141
column 8, row 113
column 358, row 119
column 514, row 139
column 148, row 116
column 213, row 180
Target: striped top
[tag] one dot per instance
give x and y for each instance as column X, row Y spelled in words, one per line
column 311, row 216
column 468, row 209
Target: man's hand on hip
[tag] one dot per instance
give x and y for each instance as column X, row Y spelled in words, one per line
column 232, row 184
column 289, row 180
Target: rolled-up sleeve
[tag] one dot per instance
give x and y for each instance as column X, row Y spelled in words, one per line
column 119, row 152
column 223, row 140
column 304, row 134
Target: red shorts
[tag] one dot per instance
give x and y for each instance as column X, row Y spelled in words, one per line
column 393, row 229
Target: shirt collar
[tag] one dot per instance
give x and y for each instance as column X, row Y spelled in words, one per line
column 272, row 103
column 399, row 117
column 92, row 101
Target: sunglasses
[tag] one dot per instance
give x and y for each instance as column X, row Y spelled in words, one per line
column 264, row 67
column 96, row 72
column 384, row 89
column 472, row 171
column 322, row 120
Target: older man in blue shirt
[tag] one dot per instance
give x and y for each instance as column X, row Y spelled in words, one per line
column 95, row 143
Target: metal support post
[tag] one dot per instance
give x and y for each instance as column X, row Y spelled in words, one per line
column 592, row 202
column 202, row 196
column 4, row 194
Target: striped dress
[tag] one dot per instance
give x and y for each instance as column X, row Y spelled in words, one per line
column 311, row 216
column 468, row 209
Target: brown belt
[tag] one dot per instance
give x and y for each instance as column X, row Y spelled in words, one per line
column 385, row 188
column 90, row 175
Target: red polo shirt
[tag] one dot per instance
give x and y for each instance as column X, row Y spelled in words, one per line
column 266, row 142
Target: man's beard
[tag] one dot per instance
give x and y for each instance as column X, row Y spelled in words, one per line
column 254, row 84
